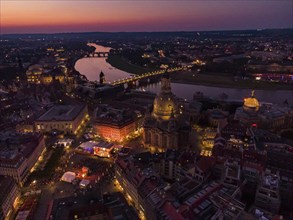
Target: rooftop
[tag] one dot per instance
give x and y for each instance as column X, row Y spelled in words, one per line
column 62, row 113
column 270, row 180
column 114, row 115
column 14, row 149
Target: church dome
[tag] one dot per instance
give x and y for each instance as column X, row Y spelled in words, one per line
column 165, row 104
column 251, row 103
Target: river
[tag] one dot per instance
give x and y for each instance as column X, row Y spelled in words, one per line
column 91, row 68
column 186, row 91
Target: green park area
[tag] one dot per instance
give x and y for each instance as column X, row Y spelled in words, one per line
column 119, row 62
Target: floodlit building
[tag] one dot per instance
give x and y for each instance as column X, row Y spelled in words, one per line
column 34, row 73
column 268, row 116
column 66, row 118
column 103, row 149
column 84, row 183
column 248, row 113
column 116, row 123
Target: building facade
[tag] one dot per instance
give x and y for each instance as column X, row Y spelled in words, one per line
column 116, row 124
column 18, row 159
column 8, row 196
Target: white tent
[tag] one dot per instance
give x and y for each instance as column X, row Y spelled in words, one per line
column 84, row 183
column 68, row 177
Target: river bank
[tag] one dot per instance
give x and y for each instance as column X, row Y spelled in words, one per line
column 214, row 80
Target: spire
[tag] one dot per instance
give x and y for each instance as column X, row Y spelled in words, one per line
column 102, row 77
column 252, row 93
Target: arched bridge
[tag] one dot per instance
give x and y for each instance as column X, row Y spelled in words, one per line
column 98, row 54
column 149, row 74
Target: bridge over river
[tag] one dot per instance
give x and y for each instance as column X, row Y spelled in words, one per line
column 147, row 75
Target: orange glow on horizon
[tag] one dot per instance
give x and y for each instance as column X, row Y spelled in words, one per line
column 65, row 13
column 31, row 16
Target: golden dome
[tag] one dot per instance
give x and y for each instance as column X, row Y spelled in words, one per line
column 251, row 102
column 165, row 104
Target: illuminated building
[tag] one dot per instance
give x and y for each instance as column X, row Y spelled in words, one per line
column 115, row 123
column 46, row 79
column 51, row 76
column 19, row 154
column 66, row 118
column 166, row 126
column 129, row 178
column 84, row 183
column 8, row 196
column 34, row 73
column 103, row 149
column 44, row 74
column 267, row 116
column 248, row 114
column 25, row 127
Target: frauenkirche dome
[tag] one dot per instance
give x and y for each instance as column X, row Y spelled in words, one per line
column 165, row 103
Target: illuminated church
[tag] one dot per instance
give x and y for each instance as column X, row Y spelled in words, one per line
column 165, row 127
column 248, row 113
column 268, row 116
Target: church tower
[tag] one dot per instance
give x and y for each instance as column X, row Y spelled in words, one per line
column 164, row 128
column 102, row 78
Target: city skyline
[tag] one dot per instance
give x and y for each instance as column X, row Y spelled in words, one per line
column 128, row 16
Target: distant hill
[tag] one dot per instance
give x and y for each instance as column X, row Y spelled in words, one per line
column 133, row 35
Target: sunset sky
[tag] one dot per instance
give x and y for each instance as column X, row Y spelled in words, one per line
column 51, row 16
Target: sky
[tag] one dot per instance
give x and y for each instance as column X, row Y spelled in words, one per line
column 55, row 16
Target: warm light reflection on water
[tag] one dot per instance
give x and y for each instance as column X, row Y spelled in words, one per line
column 91, row 68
